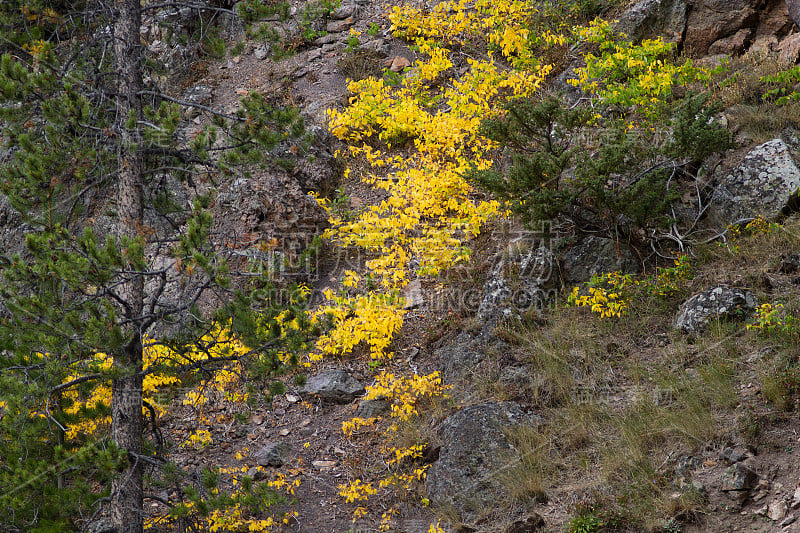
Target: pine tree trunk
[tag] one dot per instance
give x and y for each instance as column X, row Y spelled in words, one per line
column 126, row 390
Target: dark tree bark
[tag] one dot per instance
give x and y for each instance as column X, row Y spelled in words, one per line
column 126, row 389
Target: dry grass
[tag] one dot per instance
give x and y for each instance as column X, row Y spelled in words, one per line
column 619, row 414
column 746, row 258
column 538, row 465
column 740, row 90
column 740, row 83
column 360, row 64
column 761, row 121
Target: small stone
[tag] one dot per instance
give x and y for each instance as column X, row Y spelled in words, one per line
column 413, row 295
column 372, row 408
column 242, row 92
column 284, row 432
column 257, row 419
column 739, row 478
column 305, row 422
column 291, row 398
column 338, row 26
column 338, row 451
column 399, row 63
column 777, row 510
column 261, row 52
column 324, row 465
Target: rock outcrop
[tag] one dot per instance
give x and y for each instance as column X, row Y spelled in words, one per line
column 523, row 279
column 765, row 184
column 597, row 255
column 651, row 18
column 475, row 455
column 709, row 27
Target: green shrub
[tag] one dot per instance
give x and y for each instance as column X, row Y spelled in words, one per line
column 604, row 170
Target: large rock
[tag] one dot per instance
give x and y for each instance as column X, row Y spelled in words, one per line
column 735, row 44
column 521, row 280
column 268, row 221
column 714, row 303
column 711, row 20
column 273, row 454
column 595, row 256
column 789, row 50
column 794, row 10
column 319, row 171
column 653, row 18
column 764, row 184
column 459, row 356
column 475, row 455
column 774, row 19
column 333, row 385
column 708, row 27
column 738, row 477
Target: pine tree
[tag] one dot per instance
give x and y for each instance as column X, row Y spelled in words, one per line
column 88, row 153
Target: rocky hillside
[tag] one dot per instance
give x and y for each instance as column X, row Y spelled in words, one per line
column 615, row 352
column 672, row 411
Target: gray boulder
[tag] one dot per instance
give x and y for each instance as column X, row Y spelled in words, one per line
column 717, row 302
column 475, row 455
column 273, row 454
column 459, row 356
column 652, row 18
column 739, row 477
column 597, row 255
column 372, row 408
column 525, row 279
column 764, row 184
column 794, row 10
column 333, row 385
